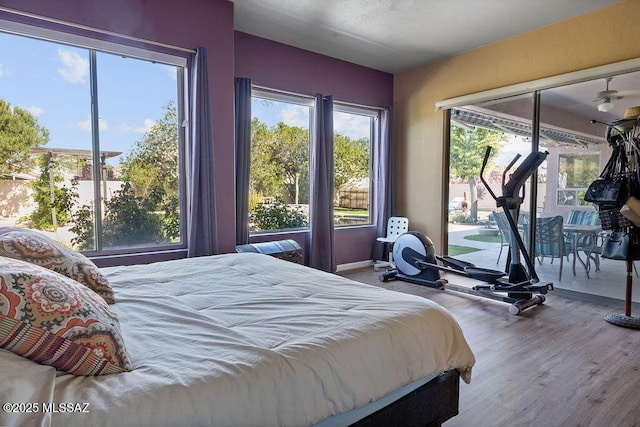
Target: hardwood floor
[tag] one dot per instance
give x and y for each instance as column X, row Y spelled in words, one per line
column 559, row 364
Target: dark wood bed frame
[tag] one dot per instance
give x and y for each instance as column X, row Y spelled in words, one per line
column 429, row 405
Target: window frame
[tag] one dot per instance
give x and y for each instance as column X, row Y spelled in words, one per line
column 290, row 98
column 164, row 55
column 576, row 191
column 374, row 115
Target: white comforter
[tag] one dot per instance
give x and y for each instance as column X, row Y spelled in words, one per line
column 245, row 340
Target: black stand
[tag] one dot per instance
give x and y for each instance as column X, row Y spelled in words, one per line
column 625, row 133
column 625, row 320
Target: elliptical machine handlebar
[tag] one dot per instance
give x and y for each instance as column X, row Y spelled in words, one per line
column 484, row 165
column 512, row 186
column 527, row 168
column 487, row 153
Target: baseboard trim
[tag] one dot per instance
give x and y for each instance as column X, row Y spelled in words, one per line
column 354, row 265
column 595, row 299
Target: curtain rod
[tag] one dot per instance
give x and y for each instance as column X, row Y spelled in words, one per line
column 286, row 92
column 283, row 92
column 92, row 29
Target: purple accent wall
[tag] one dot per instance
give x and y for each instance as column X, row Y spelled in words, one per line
column 209, row 23
column 278, row 66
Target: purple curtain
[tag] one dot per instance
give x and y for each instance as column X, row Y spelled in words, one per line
column 321, row 249
column 382, row 178
column 243, row 157
column 201, row 229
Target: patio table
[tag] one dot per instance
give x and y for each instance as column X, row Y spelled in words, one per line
column 575, row 231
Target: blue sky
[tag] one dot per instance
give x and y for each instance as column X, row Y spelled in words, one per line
column 52, row 82
column 271, row 112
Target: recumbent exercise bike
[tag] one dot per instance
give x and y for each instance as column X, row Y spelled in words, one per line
column 416, row 260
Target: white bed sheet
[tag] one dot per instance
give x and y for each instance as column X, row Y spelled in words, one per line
column 247, row 340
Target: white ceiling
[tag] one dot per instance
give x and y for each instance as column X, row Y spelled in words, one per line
column 582, row 98
column 395, row 35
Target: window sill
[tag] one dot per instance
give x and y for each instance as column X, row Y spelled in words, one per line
column 138, row 258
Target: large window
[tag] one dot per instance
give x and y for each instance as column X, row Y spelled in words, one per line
column 352, row 168
column 279, row 172
column 91, row 146
column 575, row 172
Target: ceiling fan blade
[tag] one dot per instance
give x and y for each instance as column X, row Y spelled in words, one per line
column 607, row 93
column 628, row 93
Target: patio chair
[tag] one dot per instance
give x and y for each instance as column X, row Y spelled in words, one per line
column 549, row 240
column 505, row 230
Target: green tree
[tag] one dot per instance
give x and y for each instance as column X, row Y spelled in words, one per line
column 280, row 161
column 127, row 222
column 467, row 150
column 151, row 167
column 62, row 201
column 82, row 228
column 280, row 170
column 19, row 132
column 264, row 174
column 351, row 159
column 146, row 208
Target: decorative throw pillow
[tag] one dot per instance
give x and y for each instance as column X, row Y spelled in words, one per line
column 36, row 248
column 53, row 320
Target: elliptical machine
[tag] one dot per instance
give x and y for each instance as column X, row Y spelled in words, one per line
column 416, row 260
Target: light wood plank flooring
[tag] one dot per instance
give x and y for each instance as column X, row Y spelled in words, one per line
column 559, row 364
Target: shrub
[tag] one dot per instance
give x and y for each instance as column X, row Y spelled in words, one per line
column 278, row 216
column 460, row 218
column 63, row 197
column 127, row 222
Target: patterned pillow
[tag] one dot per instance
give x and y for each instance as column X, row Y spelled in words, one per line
column 36, row 248
column 56, row 321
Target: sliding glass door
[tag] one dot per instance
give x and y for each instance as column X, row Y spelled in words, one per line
column 569, row 123
column 504, row 126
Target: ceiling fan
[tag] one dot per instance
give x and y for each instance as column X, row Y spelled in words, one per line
column 606, row 97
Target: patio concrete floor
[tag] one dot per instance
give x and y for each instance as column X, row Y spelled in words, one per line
column 608, row 285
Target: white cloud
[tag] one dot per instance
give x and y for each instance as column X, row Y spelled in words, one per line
column 171, row 72
column 73, row 67
column 146, row 127
column 86, row 124
column 36, row 111
column 352, row 125
column 295, row 115
column 125, row 128
column 4, row 71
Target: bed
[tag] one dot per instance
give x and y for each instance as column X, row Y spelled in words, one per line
column 249, row 340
